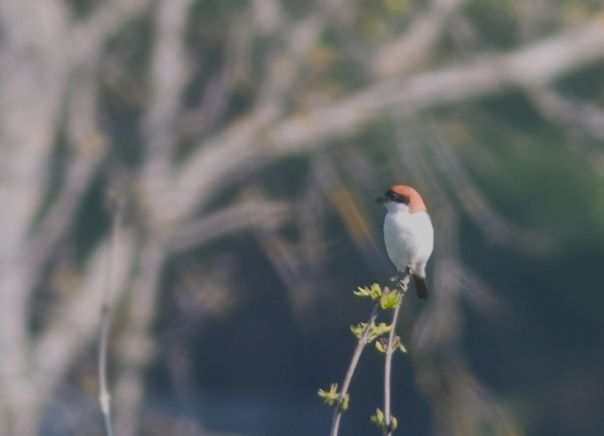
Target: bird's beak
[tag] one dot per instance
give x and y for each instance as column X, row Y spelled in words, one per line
column 381, row 199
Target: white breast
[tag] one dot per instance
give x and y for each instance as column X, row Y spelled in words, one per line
column 409, row 238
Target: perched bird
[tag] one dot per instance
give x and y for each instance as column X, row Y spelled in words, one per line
column 408, row 233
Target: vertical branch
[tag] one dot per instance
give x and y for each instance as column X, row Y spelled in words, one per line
column 104, row 396
column 136, row 345
column 88, row 149
column 389, row 428
column 362, row 342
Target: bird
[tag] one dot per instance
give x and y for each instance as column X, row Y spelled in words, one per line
column 408, row 233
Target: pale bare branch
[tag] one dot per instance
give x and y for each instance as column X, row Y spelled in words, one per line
column 528, row 67
column 571, row 114
column 168, row 76
column 107, row 313
column 389, row 424
column 136, row 344
column 413, row 48
column 76, row 321
column 243, row 216
column 236, row 147
column 106, row 19
column 214, row 102
column 88, row 150
column 268, row 15
column 33, row 82
column 286, row 65
column 343, row 396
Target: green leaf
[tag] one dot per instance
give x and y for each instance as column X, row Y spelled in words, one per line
column 390, row 299
column 358, row 329
column 374, row 292
column 345, row 402
column 380, row 346
column 378, row 418
column 398, row 344
column 330, row 397
column 333, row 397
column 378, row 330
column 375, row 330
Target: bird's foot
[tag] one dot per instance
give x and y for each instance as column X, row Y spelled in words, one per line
column 403, row 278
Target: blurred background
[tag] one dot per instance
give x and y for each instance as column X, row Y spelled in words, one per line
column 246, row 142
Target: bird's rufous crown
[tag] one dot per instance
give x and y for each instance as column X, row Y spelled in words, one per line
column 416, row 202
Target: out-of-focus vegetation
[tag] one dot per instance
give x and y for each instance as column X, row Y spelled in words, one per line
column 248, row 140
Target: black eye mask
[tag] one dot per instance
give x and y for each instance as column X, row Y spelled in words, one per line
column 395, row 196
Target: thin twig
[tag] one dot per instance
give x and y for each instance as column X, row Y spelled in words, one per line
column 104, row 396
column 362, row 342
column 403, row 286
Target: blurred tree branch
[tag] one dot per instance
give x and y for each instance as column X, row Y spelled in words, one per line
column 537, row 64
column 411, row 49
column 244, row 216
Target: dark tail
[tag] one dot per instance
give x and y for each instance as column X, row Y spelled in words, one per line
column 420, row 287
